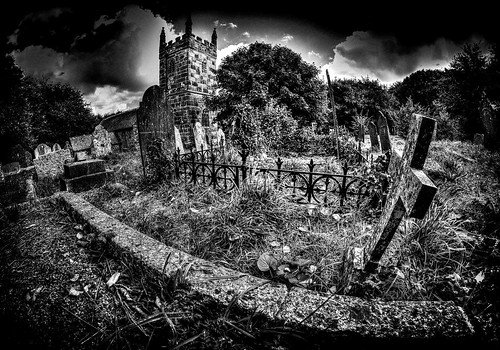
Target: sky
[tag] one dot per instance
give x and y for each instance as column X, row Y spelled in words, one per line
column 109, row 49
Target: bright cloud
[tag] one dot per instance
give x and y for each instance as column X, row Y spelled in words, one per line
column 109, row 99
column 286, row 38
column 228, row 51
column 246, row 34
column 364, row 54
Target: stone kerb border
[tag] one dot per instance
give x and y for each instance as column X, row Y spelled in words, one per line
column 334, row 317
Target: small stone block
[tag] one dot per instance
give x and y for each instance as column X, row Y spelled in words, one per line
column 87, row 182
column 86, row 167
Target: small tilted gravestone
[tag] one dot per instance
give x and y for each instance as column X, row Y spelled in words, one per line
column 372, row 129
column 479, row 139
column 200, row 139
column 178, row 140
column 411, row 193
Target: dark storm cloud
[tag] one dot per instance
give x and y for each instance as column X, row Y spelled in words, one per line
column 106, row 55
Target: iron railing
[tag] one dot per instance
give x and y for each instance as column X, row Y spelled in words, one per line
column 309, row 186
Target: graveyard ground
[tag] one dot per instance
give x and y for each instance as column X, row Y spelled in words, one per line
column 57, row 286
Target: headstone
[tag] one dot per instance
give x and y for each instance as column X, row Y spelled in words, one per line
column 372, row 129
column 479, row 139
column 28, row 158
column 221, row 138
column 200, row 140
column 81, row 146
column 411, row 193
column 101, row 142
column 51, row 164
column 178, row 140
column 30, row 190
column 154, row 122
column 12, row 167
column 42, row 149
column 17, row 154
column 383, row 129
column 81, row 143
column 56, row 147
column 361, row 133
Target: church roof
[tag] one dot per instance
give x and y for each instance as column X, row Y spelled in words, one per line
column 120, row 120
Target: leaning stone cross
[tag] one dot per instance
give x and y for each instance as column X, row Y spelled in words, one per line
column 411, row 193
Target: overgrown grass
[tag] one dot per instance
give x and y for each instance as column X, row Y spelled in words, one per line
column 236, row 228
column 445, row 256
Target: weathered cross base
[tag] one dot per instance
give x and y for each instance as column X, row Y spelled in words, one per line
column 411, row 194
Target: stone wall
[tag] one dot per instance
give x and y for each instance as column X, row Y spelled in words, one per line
column 52, row 164
column 14, row 188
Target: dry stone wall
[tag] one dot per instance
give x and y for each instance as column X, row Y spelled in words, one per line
column 52, row 164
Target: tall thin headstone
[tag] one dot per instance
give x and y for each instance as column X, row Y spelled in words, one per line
column 361, row 133
column 372, row 129
column 383, row 130
column 154, row 122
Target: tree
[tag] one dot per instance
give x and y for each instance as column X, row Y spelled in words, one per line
column 34, row 110
column 354, row 97
column 467, row 87
column 260, row 72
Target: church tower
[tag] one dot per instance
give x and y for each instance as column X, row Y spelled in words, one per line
column 187, row 75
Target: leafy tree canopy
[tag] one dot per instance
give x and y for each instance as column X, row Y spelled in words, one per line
column 260, row 72
column 34, row 110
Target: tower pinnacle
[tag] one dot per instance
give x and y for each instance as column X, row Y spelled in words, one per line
column 189, row 25
column 214, row 37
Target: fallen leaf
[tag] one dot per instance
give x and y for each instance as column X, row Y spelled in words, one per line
column 78, row 227
column 266, row 262
column 75, row 278
column 30, row 226
column 336, row 217
column 303, row 229
column 325, row 211
column 86, row 288
column 79, row 235
column 286, row 249
column 113, row 279
column 158, row 303
column 75, row 293
column 312, row 268
column 479, row 277
column 193, row 210
column 274, row 244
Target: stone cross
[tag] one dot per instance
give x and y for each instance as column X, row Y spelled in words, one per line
column 383, row 130
column 411, row 191
column 372, row 129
